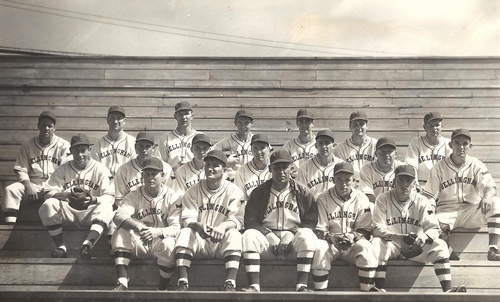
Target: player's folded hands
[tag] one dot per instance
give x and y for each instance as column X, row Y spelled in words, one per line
column 200, row 229
column 148, row 234
column 485, row 205
column 285, row 244
column 217, row 233
column 274, row 242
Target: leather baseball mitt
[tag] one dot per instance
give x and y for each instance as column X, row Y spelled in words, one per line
column 411, row 249
column 78, row 199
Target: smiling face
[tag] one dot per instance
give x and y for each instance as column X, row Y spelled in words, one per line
column 46, row 128
column 152, row 179
column 116, row 121
column 244, row 124
column 433, row 128
column 214, row 169
column 184, row 117
column 260, row 151
column 404, row 186
column 324, row 144
column 358, row 127
column 81, row 155
column 305, row 125
column 343, row 184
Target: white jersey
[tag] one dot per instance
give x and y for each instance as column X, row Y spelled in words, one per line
column 415, row 215
column 423, row 155
column 129, row 177
column 95, row 178
column 374, row 181
column 114, row 153
column 36, row 163
column 357, row 155
column 338, row 216
column 186, row 177
column 317, row 177
column 250, row 177
column 301, row 152
column 200, row 204
column 239, row 148
column 175, row 148
column 451, row 185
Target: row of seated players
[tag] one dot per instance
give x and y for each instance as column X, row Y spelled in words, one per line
column 324, row 142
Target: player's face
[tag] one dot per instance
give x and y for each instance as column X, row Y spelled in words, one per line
column 343, row 184
column 244, row 124
column 404, row 186
column 324, row 145
column 116, row 121
column 358, row 127
column 386, row 155
column 144, row 149
column 460, row 146
column 46, row 128
column 81, row 155
column 214, row 169
column 281, row 172
column 433, row 128
column 200, row 150
column 260, row 151
column 152, row 178
column 305, row 125
column 184, row 117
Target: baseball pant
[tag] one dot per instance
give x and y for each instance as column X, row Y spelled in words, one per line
column 11, row 200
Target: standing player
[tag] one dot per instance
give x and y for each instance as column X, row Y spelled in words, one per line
column 255, row 172
column 212, row 216
column 147, row 223
column 405, row 224
column 237, row 146
column 36, row 161
column 80, row 193
column 359, row 149
column 192, row 172
column 345, row 224
column 174, row 147
column 317, row 173
column 378, row 177
column 117, row 147
column 426, row 150
column 464, row 192
column 279, row 219
column 303, row 147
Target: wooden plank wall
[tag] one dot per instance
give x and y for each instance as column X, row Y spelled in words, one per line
column 396, row 93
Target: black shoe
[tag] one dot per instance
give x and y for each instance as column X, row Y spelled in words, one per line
column 119, row 287
column 250, row 289
column 493, row 254
column 85, row 252
column 58, row 253
column 183, row 286
column 457, row 289
column 229, row 287
column 304, row 289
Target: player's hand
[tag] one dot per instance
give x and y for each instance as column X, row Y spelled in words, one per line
column 217, row 233
column 274, row 242
column 485, row 204
column 343, row 241
column 420, row 240
column 200, row 229
column 148, row 234
column 30, row 191
column 285, row 244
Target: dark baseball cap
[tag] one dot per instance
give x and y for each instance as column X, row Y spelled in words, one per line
column 145, row 136
column 183, row 105
column 280, row 156
column 432, row 116
column 343, row 167
column 260, row 138
column 385, row 141
column 47, row 114
column 201, row 137
column 79, row 139
column 243, row 112
column 358, row 115
column 405, row 170
column 304, row 113
column 459, row 132
column 326, row 133
column 152, row 163
column 117, row 108
column 217, row 154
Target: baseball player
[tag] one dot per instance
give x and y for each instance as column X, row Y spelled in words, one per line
column 147, row 224
column 317, row 173
column 129, row 175
column 425, row 151
column 378, row 177
column 175, row 146
column 80, row 193
column 344, row 225
column 36, row 161
column 212, row 216
column 359, row 149
column 255, row 172
column 464, row 192
column 280, row 217
column 303, row 147
column 117, row 147
column 405, row 224
column 237, row 145
column 192, row 172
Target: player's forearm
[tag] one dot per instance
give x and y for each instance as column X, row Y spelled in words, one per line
column 387, row 235
column 489, row 192
column 22, row 176
column 131, row 224
column 171, row 231
column 106, row 198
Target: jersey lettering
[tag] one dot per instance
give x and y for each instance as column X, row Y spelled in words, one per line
column 254, row 184
column 302, row 155
column 431, row 157
column 280, row 204
column 48, row 158
column 320, row 180
column 341, row 214
column 150, row 211
column 384, row 184
column 353, row 158
column 178, row 146
column 214, row 207
column 115, row 151
column 458, row 180
column 79, row 182
column 134, row 183
column 403, row 220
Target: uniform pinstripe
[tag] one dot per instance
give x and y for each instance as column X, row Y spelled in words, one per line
column 239, row 148
column 175, row 148
column 423, row 155
column 301, row 152
column 317, row 177
column 186, row 177
column 249, row 177
column 112, row 153
column 374, row 181
column 357, row 155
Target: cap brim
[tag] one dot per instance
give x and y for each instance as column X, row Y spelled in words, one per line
column 406, row 174
column 386, row 144
column 183, row 108
column 81, row 143
column 305, row 116
column 245, row 115
column 344, row 171
column 152, row 168
column 434, row 118
column 282, row 160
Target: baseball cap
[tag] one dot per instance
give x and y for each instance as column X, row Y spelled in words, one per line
column 217, row 154
column 326, row 133
column 385, row 141
column 117, row 108
column 183, row 105
column 201, row 137
column 304, row 113
column 343, row 167
column 459, row 132
column 47, row 114
column 145, row 136
column 432, row 116
column 243, row 112
column 152, row 163
column 79, row 139
column 358, row 115
column 260, row 138
column 405, row 170
column 280, row 156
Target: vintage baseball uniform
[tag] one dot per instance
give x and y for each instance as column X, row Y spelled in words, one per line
column 175, row 148
column 248, row 177
column 423, row 155
column 301, row 152
column 357, row 155
column 114, row 153
column 317, row 177
column 374, row 181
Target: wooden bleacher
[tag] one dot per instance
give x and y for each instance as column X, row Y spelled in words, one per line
column 395, row 93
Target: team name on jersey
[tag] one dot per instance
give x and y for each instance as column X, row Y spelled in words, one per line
column 191, row 183
column 458, row 180
column 341, row 214
column 432, row 157
column 282, row 205
column 254, row 184
column 133, row 183
column 302, row 155
column 79, row 182
column 214, row 207
column 243, row 152
column 320, row 180
column 403, row 220
column 48, row 158
column 368, row 157
column 150, row 211
column 384, row 184
column 178, row 146
column 115, row 151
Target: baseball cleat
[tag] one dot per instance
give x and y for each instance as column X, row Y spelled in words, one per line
column 457, row 289
column 304, row 289
column 493, row 254
column 119, row 287
column 229, row 287
column 250, row 289
column 85, row 252
column 376, row 289
column 58, row 253
column 183, row 286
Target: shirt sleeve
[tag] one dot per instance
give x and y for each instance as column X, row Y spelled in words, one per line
column 22, row 166
column 412, row 153
column 365, row 182
column 322, row 224
column 189, row 212
column 173, row 207
column 125, row 210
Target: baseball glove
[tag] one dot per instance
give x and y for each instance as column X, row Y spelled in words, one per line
column 78, row 199
column 411, row 249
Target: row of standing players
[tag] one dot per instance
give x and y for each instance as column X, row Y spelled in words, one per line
column 328, row 194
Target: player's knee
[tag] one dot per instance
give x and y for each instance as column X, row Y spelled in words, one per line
column 51, row 204
column 305, row 240
column 250, row 241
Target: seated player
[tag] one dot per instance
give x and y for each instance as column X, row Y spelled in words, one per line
column 405, row 225
column 280, row 217
column 344, row 227
column 147, row 224
column 81, row 193
column 303, row 147
column 212, row 216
